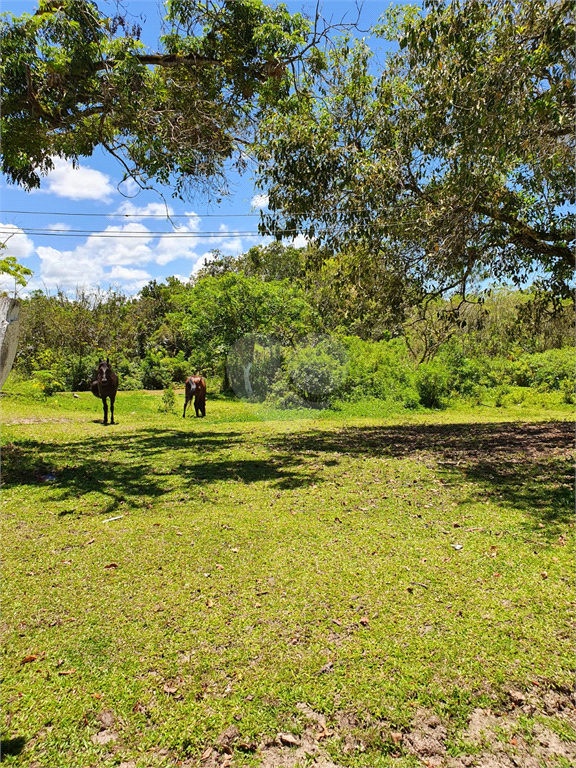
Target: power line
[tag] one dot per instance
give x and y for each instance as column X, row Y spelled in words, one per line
column 140, row 215
column 129, row 234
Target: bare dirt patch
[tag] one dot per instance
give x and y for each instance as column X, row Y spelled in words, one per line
column 533, row 733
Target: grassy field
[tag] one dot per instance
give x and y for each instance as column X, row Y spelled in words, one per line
column 355, row 588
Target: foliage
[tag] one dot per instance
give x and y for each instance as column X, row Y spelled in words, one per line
column 274, row 261
column 168, row 402
column 234, row 325
column 10, row 266
column 212, row 315
column 453, row 164
column 75, row 78
column 314, row 372
column 432, row 384
column 379, row 369
column 253, row 364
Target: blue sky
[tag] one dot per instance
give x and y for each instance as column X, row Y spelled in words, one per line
column 78, row 230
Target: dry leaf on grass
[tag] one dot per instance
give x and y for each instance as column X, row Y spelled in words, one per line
column 289, row 739
column 28, row 659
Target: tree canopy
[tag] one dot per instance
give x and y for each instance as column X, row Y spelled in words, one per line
column 74, row 78
column 452, row 164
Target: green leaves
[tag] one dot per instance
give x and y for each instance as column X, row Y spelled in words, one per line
column 10, row 266
column 74, row 78
column 456, row 159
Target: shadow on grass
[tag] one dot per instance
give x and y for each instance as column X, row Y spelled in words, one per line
column 144, row 471
column 12, row 747
column 527, row 465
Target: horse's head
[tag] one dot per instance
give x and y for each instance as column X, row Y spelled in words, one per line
column 104, row 369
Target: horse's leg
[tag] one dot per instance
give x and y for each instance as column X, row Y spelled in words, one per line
column 185, row 404
column 112, row 397
column 104, row 402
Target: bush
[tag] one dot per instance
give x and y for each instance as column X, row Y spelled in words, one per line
column 129, row 374
column 432, row 384
column 168, row 401
column 546, row 371
column 159, row 371
column 317, row 370
column 568, row 392
column 379, row 369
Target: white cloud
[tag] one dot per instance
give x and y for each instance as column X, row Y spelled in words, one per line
column 87, row 263
column 300, row 241
column 116, row 251
column 68, row 268
column 58, row 226
column 132, row 280
column 80, row 183
column 17, row 243
column 130, row 187
column 125, row 273
column 193, row 221
column 200, row 263
column 259, row 201
column 137, row 213
column 172, row 247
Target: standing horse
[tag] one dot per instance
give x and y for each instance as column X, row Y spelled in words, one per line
column 106, row 385
column 195, row 388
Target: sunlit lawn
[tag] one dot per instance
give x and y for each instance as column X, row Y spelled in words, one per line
column 180, row 577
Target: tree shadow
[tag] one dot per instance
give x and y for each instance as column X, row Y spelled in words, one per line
column 143, row 472
column 12, row 747
column 525, row 465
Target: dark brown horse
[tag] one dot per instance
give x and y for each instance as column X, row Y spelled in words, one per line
column 106, row 385
column 195, row 388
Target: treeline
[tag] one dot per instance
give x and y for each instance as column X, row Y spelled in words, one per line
column 315, row 328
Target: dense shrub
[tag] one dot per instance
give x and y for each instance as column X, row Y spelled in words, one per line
column 432, row 384
column 159, row 371
column 547, row 371
column 379, row 369
column 59, row 372
column 312, row 374
column 318, row 369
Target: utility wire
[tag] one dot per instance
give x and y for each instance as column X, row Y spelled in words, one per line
column 141, row 215
column 128, row 233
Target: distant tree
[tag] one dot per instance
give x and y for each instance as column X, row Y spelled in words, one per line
column 454, row 164
column 216, row 312
column 275, row 261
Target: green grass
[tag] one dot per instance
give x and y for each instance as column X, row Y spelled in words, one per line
column 255, row 548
